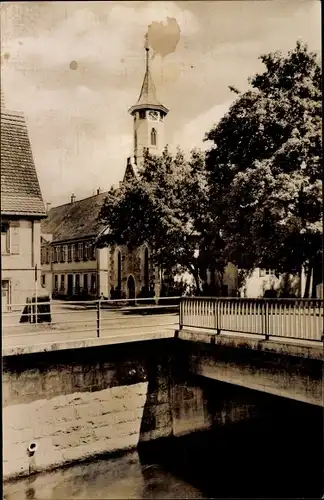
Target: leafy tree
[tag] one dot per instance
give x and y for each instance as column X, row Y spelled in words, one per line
column 265, row 167
column 166, row 205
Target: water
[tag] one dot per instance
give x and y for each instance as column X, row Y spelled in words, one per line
column 275, row 453
column 118, row 477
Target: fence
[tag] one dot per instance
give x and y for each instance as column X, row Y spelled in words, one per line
column 292, row 318
column 47, row 321
column 66, row 320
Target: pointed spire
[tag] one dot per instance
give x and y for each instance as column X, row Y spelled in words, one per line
column 147, row 97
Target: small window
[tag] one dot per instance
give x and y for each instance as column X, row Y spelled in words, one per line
column 93, row 252
column 153, row 137
column 63, row 253
column 77, row 283
column 93, row 283
column 56, row 252
column 69, row 253
column 85, row 282
column 81, row 251
column 56, row 282
column 47, row 254
column 43, row 278
column 43, row 255
column 5, row 248
column 142, row 114
column 86, row 251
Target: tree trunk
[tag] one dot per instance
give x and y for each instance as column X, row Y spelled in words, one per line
column 308, row 281
column 197, row 281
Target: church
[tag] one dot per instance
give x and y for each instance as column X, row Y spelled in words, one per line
column 72, row 265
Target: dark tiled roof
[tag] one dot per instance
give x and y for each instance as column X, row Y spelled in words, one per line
column 75, row 220
column 20, row 191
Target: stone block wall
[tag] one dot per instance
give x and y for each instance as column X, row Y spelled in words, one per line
column 72, row 408
column 76, row 404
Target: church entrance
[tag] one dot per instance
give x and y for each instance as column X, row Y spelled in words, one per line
column 131, row 287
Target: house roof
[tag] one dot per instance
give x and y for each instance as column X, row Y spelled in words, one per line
column 76, row 220
column 20, row 190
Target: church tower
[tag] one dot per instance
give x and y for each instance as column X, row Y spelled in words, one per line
column 149, row 115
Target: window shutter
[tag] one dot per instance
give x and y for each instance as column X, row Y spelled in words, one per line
column 14, row 238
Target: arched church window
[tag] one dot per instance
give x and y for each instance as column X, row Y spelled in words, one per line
column 119, row 270
column 153, row 137
column 135, row 140
column 146, row 268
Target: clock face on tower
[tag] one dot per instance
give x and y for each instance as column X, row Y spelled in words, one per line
column 153, row 115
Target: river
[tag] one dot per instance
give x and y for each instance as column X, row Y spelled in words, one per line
column 276, row 453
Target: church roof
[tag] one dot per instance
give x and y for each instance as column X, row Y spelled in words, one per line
column 147, row 97
column 74, row 221
column 20, row 190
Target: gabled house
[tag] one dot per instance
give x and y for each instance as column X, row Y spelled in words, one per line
column 72, row 266
column 22, row 210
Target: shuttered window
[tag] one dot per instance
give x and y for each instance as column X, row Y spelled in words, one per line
column 14, row 238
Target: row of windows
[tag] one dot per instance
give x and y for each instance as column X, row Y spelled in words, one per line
column 68, row 253
column 74, row 283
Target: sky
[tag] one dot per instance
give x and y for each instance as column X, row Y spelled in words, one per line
column 75, row 68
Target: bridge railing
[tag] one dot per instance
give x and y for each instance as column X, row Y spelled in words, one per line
column 55, row 320
column 292, row 318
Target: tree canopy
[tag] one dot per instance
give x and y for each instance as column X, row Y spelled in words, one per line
column 265, row 166
column 167, row 206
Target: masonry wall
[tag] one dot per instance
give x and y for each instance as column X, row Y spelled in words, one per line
column 80, row 403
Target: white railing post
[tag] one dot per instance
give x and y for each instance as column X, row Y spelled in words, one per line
column 266, row 320
column 36, row 294
column 98, row 318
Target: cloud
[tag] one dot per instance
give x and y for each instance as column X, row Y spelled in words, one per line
column 79, row 126
column 189, row 136
column 78, row 120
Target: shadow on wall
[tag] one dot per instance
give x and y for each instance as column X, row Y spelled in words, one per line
column 220, row 437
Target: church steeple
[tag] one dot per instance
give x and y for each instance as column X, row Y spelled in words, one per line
column 148, row 115
column 147, row 97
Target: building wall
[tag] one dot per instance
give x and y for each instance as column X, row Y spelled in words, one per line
column 105, row 268
column 142, row 129
column 18, row 265
column 132, row 265
column 84, row 273
column 230, row 279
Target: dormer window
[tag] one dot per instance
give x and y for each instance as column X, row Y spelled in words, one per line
column 142, row 114
column 153, row 137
